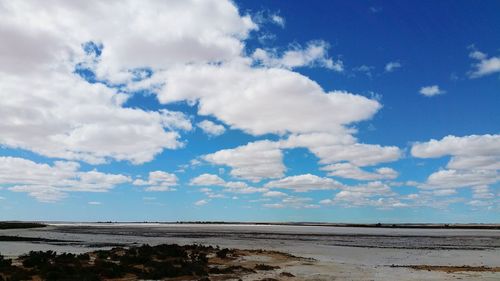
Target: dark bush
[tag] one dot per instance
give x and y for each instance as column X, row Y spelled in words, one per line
column 109, row 269
column 262, row 266
column 83, row 257
column 38, row 258
column 174, row 251
column 17, row 274
column 222, row 253
column 4, row 262
column 66, row 258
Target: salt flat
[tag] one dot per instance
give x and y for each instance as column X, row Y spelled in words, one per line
column 344, row 253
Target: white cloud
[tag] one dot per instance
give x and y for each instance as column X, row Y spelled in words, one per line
column 212, row 29
column 430, row 91
column 350, row 171
column 478, row 203
column 468, row 145
column 266, row 16
column 279, row 20
column 207, row 180
column 326, row 201
column 292, row 202
column 264, row 159
column 475, row 161
column 50, row 110
column 202, row 202
column 264, row 100
column 340, row 147
column 253, row 161
column 94, row 203
column 468, row 152
column 158, row 181
column 460, row 178
column 304, row 183
column 49, row 183
column 274, row 206
column 274, row 194
column 485, row 65
column 393, row 65
column 97, row 127
column 210, row 128
column 366, row 190
column 315, row 54
column 375, row 194
column 299, row 202
column 230, row 186
column 359, row 154
column 482, row 192
column 443, row 192
column 478, row 55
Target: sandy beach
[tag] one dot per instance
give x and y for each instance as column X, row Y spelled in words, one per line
column 319, row 252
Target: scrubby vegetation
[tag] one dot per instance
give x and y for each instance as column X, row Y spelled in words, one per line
column 143, row 262
column 262, row 266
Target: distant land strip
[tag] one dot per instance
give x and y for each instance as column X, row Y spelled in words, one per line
column 372, row 225
column 20, row 224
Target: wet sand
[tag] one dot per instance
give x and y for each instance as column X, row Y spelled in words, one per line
column 333, row 253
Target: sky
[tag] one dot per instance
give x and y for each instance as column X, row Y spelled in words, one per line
column 215, row 110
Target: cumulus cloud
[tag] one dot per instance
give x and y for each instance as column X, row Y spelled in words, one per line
column 98, row 127
column 42, row 47
column 474, row 163
column 314, row 54
column 292, row 202
column 392, row 66
column 202, row 202
column 212, row 29
column 229, row 186
column 158, row 181
column 461, row 178
column 274, row 194
column 210, row 128
column 430, row 91
column 207, row 180
column 264, row 100
column 304, row 183
column 58, row 79
column 38, row 59
column 264, row 159
column 49, row 183
column 482, row 192
column 254, row 161
column 345, row 155
column 350, row 171
column 484, row 65
column 376, row 194
column 468, row 152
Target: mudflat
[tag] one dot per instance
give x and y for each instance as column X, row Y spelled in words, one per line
column 293, row 252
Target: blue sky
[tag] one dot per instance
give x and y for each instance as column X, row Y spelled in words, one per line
column 335, row 111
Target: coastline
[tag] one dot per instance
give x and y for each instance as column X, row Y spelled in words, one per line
column 345, row 253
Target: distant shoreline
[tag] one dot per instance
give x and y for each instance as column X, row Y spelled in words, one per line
column 32, row 224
